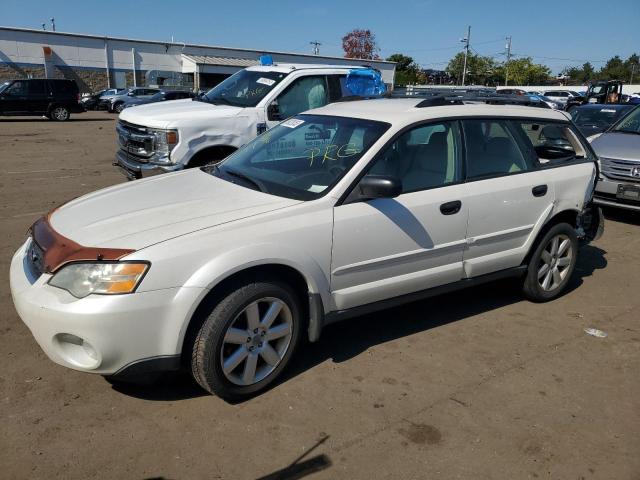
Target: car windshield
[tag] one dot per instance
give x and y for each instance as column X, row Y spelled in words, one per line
column 630, row 123
column 302, row 157
column 3, row 86
column 244, row 89
column 603, row 116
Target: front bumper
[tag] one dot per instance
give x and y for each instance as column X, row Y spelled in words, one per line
column 117, row 331
column 605, row 194
column 134, row 169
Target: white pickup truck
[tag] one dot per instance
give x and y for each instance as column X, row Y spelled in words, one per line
column 170, row 136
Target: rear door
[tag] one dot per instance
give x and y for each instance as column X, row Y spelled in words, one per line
column 510, row 196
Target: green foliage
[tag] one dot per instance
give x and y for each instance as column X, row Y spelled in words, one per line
column 614, row 69
column 407, row 71
column 480, row 70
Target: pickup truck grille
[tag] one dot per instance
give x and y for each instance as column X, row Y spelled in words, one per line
column 135, row 140
column 620, row 169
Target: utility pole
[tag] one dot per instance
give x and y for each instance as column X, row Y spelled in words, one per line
column 506, row 67
column 633, row 70
column 53, row 24
column 44, row 27
column 466, row 53
column 316, row 47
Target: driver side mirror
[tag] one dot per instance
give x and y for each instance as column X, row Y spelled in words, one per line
column 273, row 111
column 379, row 186
column 130, row 94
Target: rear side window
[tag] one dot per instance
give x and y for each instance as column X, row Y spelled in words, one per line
column 550, row 141
column 37, row 87
column 62, row 87
column 493, row 149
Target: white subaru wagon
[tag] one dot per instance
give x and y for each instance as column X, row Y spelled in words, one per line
column 343, row 210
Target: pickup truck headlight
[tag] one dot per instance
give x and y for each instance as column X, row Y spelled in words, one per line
column 104, row 278
column 165, row 141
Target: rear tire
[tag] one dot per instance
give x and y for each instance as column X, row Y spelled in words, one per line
column 59, row 114
column 247, row 339
column 552, row 264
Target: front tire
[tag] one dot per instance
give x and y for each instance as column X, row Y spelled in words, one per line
column 552, row 264
column 247, row 340
column 118, row 107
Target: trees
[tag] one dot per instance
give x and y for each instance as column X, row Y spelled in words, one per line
column 360, row 43
column 523, row 71
column 407, row 71
column 480, row 70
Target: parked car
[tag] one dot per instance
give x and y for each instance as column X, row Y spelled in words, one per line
column 55, row 99
column 561, row 96
column 158, row 97
column 90, row 102
column 541, row 98
column 170, row 136
column 510, row 91
column 619, row 152
column 594, row 118
column 115, row 103
column 340, row 211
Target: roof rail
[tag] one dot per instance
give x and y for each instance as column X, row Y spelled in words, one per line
column 440, row 100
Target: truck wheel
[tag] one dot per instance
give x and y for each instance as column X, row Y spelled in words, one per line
column 247, row 339
column 59, row 114
column 552, row 264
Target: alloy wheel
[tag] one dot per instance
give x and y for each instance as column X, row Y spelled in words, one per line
column 60, row 113
column 555, row 262
column 256, row 341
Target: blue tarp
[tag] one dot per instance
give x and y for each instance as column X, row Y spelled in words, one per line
column 365, row 82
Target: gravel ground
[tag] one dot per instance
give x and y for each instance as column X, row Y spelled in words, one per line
column 479, row 384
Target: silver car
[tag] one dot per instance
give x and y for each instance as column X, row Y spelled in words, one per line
column 619, row 152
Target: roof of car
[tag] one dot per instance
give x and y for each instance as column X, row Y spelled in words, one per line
column 405, row 110
column 289, row 67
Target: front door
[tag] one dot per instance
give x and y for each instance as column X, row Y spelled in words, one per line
column 15, row 99
column 304, row 93
column 384, row 248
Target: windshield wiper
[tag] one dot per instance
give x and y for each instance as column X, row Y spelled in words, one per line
column 244, row 177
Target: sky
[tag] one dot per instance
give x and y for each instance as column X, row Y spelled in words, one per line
column 556, row 33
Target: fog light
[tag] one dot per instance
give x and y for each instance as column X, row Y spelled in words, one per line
column 77, row 351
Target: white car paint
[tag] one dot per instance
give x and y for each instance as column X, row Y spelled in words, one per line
column 203, row 125
column 196, row 230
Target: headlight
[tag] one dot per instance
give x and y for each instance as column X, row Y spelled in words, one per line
column 105, row 278
column 165, row 140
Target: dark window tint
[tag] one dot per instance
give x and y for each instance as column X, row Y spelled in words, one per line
column 16, row 89
column 424, row 157
column 37, row 87
column 338, row 87
column 65, row 87
column 492, row 149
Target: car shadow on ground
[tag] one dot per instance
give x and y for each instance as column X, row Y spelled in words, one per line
column 44, row 119
column 621, row 215
column 343, row 341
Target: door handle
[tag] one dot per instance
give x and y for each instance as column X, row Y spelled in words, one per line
column 539, row 191
column 451, row 208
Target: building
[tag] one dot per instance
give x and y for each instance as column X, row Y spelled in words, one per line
column 97, row 62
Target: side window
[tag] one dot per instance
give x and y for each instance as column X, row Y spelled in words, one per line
column 551, row 141
column 17, row 89
column 492, row 149
column 37, row 87
column 424, row 157
column 303, row 94
column 338, row 87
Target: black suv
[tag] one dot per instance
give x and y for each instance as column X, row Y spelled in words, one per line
column 55, row 99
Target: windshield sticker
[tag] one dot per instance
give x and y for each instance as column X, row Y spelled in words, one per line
column 316, row 188
column 266, row 81
column 292, row 123
column 608, row 110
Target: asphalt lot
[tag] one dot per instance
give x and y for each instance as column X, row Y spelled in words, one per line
column 475, row 385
